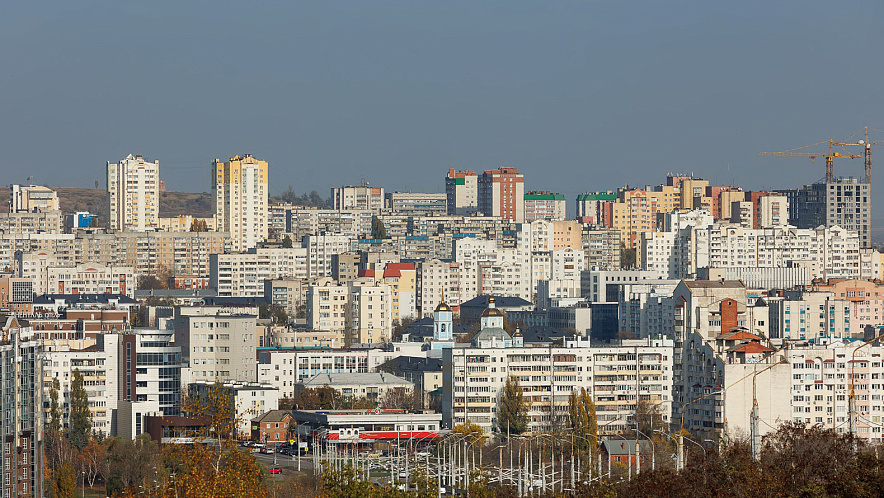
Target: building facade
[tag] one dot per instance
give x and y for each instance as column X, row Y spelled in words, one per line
column 133, row 194
column 239, row 200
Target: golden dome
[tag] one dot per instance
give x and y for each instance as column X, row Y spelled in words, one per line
column 492, row 312
column 443, row 307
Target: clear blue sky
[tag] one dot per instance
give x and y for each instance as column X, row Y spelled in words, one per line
column 577, row 95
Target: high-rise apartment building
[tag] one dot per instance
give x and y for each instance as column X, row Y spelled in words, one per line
column 240, row 200
column 133, row 194
column 502, row 194
column 462, row 189
column 845, row 202
column 21, row 402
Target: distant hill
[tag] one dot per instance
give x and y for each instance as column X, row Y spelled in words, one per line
column 94, row 200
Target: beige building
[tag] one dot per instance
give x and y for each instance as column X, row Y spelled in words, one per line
column 239, row 199
column 369, row 312
column 358, row 197
column 133, row 194
column 32, row 199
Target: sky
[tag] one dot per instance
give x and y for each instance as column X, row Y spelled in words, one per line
column 578, row 96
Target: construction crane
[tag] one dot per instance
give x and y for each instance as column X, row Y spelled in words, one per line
column 830, row 157
column 867, row 151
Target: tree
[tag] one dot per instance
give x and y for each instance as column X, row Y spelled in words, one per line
column 64, row 482
column 287, row 242
column 627, row 257
column 512, row 412
column 54, row 407
column 150, row 282
column 406, row 399
column 80, row 426
column 273, row 312
column 198, row 225
column 91, row 459
column 473, row 432
column 648, row 417
column 378, row 231
column 581, row 409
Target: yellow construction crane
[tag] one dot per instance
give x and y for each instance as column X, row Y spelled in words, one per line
column 830, row 156
column 867, row 151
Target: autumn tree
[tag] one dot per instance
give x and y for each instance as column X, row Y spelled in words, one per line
column 512, row 411
column 91, row 459
column 64, row 482
column 287, row 242
column 471, row 431
column 584, row 424
column 80, row 426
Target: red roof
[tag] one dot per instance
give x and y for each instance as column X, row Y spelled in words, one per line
column 392, row 272
column 400, row 266
column 754, row 347
column 366, row 273
column 738, row 335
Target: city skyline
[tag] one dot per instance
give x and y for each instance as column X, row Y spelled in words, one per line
column 587, row 97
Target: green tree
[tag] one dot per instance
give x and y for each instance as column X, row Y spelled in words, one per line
column 287, row 242
column 64, row 482
column 512, row 413
column 378, row 231
column 584, row 423
column 54, row 407
column 81, row 418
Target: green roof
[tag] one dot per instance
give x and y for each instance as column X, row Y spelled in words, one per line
column 544, row 197
column 597, row 196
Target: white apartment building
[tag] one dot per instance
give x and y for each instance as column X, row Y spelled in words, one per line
column 239, row 188
column 804, row 382
column 133, row 194
column 320, row 249
column 828, row 252
column 87, row 279
column 327, row 304
column 615, row 376
column 216, row 346
column 283, row 368
column 603, row 285
column 646, row 309
column 353, row 223
column 773, row 211
column 438, row 282
column 244, row 274
column 489, row 269
column 140, row 367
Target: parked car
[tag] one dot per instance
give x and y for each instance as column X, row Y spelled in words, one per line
column 267, row 451
column 275, row 469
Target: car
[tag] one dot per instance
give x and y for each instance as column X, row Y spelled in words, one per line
column 275, row 469
column 268, row 451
